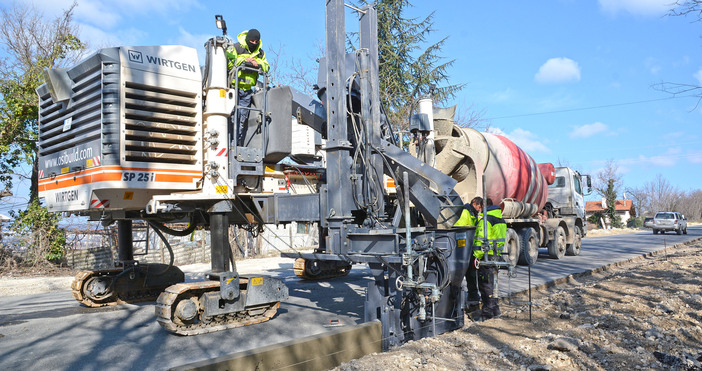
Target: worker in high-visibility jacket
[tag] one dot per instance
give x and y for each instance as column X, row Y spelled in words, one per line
column 245, row 52
column 486, row 275
column 469, row 216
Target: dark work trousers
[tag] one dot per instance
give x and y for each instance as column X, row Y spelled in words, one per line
column 472, row 284
column 241, row 126
column 486, row 284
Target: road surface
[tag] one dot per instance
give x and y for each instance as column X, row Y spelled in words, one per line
column 53, row 332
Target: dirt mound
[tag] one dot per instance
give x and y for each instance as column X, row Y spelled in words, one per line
column 641, row 315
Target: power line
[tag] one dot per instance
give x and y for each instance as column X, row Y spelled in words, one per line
column 634, row 148
column 593, row 107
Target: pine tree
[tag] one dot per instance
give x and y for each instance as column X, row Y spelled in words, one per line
column 407, row 70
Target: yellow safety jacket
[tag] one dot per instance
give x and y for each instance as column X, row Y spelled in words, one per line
column 466, row 220
column 238, row 54
column 497, row 229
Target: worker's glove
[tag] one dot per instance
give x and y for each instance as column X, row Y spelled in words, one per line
column 476, row 264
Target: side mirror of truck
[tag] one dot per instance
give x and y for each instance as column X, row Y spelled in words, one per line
column 588, row 182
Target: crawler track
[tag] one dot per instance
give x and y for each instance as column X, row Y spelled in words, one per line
column 169, row 299
column 98, row 289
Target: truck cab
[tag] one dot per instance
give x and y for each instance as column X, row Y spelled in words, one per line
column 566, row 194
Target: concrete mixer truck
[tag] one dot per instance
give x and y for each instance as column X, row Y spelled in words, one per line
column 542, row 204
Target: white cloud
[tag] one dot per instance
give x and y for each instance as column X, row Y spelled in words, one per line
column 97, row 14
column 668, row 159
column 588, row 130
column 525, row 139
column 194, row 41
column 698, row 76
column 636, row 7
column 558, row 70
column 105, row 14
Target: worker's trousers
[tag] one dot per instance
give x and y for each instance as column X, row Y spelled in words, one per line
column 472, row 284
column 241, row 126
column 487, row 277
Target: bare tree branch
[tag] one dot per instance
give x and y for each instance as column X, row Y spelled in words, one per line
column 687, row 7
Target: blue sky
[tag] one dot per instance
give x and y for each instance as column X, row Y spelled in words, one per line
column 570, row 81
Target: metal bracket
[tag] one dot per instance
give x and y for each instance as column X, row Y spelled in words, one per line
column 229, row 285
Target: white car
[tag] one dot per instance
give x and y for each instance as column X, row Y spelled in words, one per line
column 669, row 221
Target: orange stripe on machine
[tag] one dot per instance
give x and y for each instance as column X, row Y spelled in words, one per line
column 116, row 174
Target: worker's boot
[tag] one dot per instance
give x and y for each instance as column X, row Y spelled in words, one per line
column 472, row 307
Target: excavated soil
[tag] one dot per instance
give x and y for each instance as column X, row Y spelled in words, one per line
column 641, row 315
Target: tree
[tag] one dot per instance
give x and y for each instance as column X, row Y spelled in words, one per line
column 641, row 201
column 408, row 72
column 687, row 7
column 602, row 180
column 692, row 205
column 32, row 45
column 293, row 71
column 664, row 196
column 610, row 209
column 468, row 116
column 683, row 8
column 607, row 184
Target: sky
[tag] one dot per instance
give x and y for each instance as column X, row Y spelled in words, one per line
column 570, row 81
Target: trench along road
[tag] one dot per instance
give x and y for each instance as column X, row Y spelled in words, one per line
column 52, row 331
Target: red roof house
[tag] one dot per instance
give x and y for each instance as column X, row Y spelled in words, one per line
column 623, row 208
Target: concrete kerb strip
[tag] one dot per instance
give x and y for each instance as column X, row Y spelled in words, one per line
column 312, row 353
column 572, row 277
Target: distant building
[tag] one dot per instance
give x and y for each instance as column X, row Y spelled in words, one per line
column 623, row 208
column 3, row 220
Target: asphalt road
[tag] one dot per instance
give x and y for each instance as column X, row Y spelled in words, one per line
column 53, row 332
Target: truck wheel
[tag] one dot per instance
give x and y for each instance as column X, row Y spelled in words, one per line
column 685, row 230
column 655, row 231
column 528, row 246
column 679, row 231
column 573, row 249
column 511, row 250
column 557, row 246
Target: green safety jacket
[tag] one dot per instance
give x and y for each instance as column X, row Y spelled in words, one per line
column 497, row 228
column 238, row 54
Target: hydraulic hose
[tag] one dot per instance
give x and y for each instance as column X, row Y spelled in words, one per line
column 173, row 232
column 168, row 246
